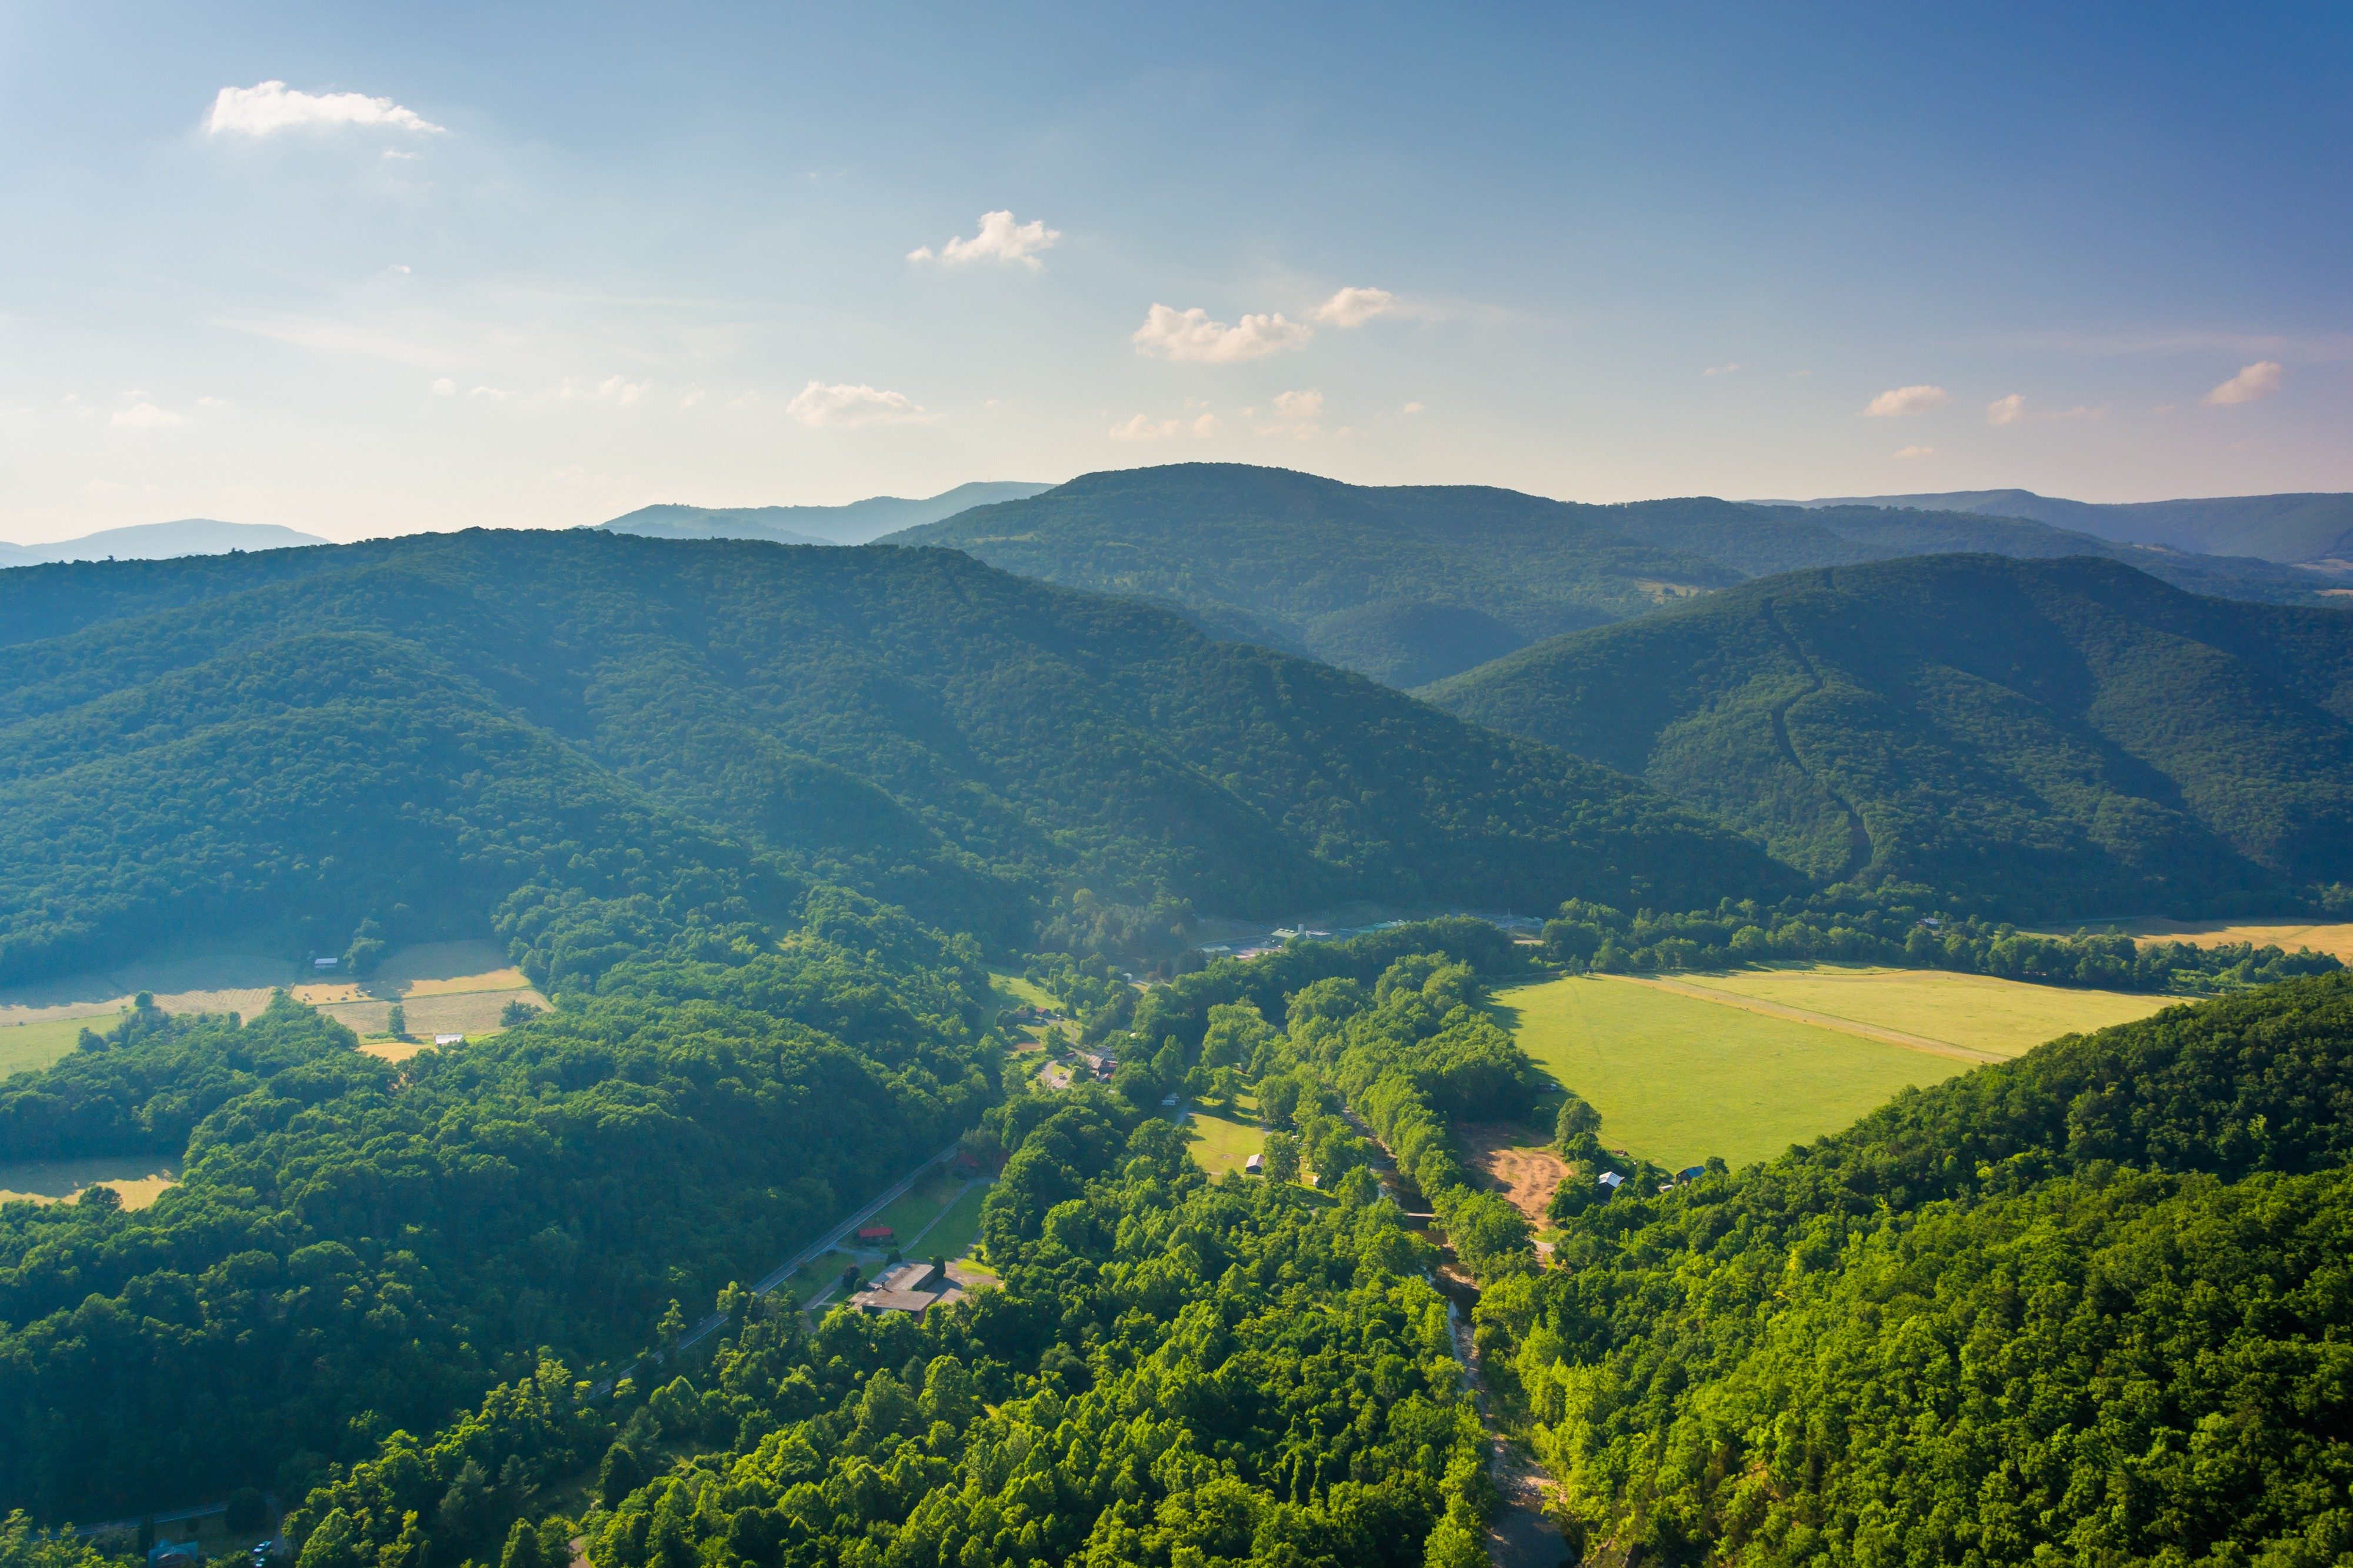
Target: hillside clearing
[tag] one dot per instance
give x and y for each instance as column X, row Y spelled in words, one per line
column 140, row 1179
column 1222, row 1142
column 25, row 1047
column 1678, row 1079
column 1514, row 1164
column 2290, row 935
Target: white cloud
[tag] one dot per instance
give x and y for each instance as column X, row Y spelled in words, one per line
column 272, row 107
column 211, row 404
column 2258, row 379
column 1413, row 408
column 146, row 416
column 1903, row 400
column 1000, row 240
column 1912, row 454
column 1354, row 307
column 2006, row 410
column 444, row 387
column 1299, row 405
column 1141, row 428
column 1729, row 368
column 1191, row 336
column 845, row 407
column 620, row 390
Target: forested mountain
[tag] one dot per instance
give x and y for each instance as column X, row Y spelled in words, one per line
column 426, row 724
column 2089, row 1305
column 1411, row 583
column 853, row 523
column 159, row 542
column 2062, row 738
column 2284, row 528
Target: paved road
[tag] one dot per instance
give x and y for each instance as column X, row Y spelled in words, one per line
column 785, row 1270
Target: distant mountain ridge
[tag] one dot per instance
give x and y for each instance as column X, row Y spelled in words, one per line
column 857, row 522
column 2057, row 739
column 159, row 542
column 1411, row 583
column 2292, row 529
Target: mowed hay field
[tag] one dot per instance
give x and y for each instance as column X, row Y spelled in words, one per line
column 1678, row 1079
column 1978, row 1011
column 1222, row 1142
column 2289, row 935
column 138, row 1179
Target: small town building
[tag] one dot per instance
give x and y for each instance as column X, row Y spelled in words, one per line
column 1611, row 1180
column 326, row 962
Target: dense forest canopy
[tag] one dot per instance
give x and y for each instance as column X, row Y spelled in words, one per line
column 444, row 717
column 1410, row 583
column 2042, row 739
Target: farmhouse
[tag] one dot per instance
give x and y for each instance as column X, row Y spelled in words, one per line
column 449, row 1039
column 1611, row 1180
column 1255, row 1165
column 912, row 1288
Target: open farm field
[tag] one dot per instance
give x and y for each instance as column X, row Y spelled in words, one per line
column 1677, row 1078
column 140, row 1179
column 1013, row 991
column 446, row 987
column 26, row 1046
column 2335, row 938
column 1223, row 1142
column 1975, row 1012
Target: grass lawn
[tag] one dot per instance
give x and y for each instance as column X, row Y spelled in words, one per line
column 954, row 1233
column 918, row 1206
column 1677, row 1079
column 26, row 1046
column 2008, row 1017
column 1012, row 991
column 1222, row 1142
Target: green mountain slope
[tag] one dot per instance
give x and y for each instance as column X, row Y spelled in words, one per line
column 2283, row 527
column 446, row 717
column 2056, row 738
column 1411, row 583
column 2089, row 1305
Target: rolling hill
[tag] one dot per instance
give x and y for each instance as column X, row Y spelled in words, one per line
column 2061, row 738
column 1412, row 583
column 2284, row 528
column 418, row 726
column 854, row 524
column 159, row 542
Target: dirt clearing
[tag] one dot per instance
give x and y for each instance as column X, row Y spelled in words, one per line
column 1526, row 1174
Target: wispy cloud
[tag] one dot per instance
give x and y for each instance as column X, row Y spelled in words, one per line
column 1731, row 367
column 146, row 416
column 1142, row 428
column 2258, row 379
column 1191, row 336
column 1902, row 400
column 843, row 407
column 273, row 107
column 2006, row 410
column 1000, row 239
column 1912, row 454
column 1354, row 307
column 1299, row 405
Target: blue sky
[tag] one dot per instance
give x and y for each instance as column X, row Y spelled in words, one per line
column 525, row 265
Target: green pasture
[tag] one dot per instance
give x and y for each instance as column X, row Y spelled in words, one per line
column 1222, row 1142
column 920, row 1205
column 1012, row 991
column 26, row 1046
column 1677, row 1079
